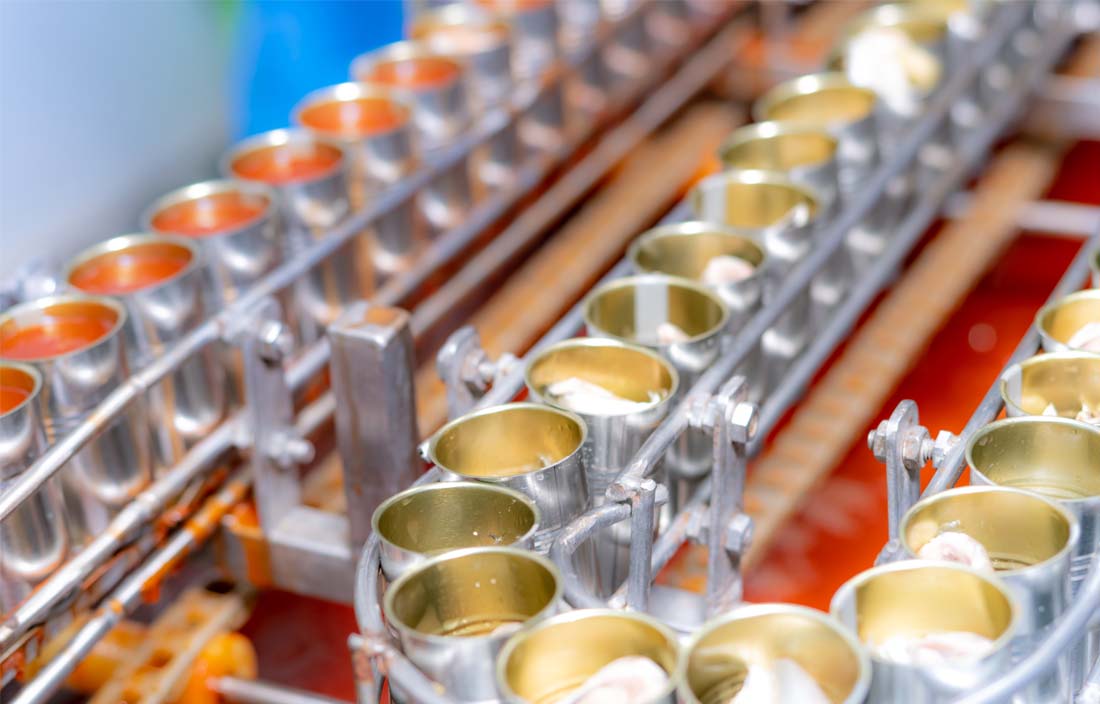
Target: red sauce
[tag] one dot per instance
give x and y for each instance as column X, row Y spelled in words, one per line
column 212, row 214
column 361, row 117
column 513, row 5
column 67, row 327
column 130, row 269
column 287, row 163
column 11, row 396
column 419, row 72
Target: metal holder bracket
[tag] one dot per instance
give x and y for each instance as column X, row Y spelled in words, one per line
column 467, row 371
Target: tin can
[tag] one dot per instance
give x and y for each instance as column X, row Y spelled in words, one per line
column 1030, row 541
column 916, row 598
column 424, row 521
column 453, row 613
column 33, row 541
column 549, row 660
column 1057, row 322
column 158, row 278
column 716, row 660
column 310, row 175
column 1067, row 381
column 76, row 343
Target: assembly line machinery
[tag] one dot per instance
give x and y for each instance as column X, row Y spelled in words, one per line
column 295, row 328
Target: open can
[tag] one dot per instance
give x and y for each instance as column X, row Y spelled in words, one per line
column 717, row 660
column 424, row 521
column 1030, row 541
column 33, row 540
column 1065, row 384
column 76, row 343
column 310, row 175
column 1059, row 322
column 158, row 278
column 888, row 605
column 552, row 659
column 453, row 614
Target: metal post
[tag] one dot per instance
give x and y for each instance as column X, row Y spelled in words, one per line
column 372, row 378
column 900, row 442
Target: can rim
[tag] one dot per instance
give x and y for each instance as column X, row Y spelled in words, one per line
column 277, row 138
column 204, row 189
column 120, row 243
column 807, row 85
column 38, row 304
column 347, row 92
column 771, row 129
column 36, row 384
column 691, row 228
column 1037, row 360
column 1088, row 294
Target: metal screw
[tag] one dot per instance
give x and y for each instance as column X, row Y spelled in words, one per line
column 739, row 533
column 276, row 342
column 876, row 441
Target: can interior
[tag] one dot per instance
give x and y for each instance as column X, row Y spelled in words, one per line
column 828, row 105
column 924, row 24
column 756, row 205
column 718, row 662
column 687, row 255
column 626, row 372
column 40, row 333
column 291, row 162
column 1070, row 383
column 553, row 659
column 131, row 268
column 928, row 599
column 354, row 118
column 448, row 517
column 413, row 72
column 16, row 386
column 472, row 594
column 780, row 152
column 210, row 214
column 507, row 442
column 1016, row 529
column 1059, row 459
column 1064, row 319
column 632, row 311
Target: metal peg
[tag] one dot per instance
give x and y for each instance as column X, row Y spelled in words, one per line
column 467, row 370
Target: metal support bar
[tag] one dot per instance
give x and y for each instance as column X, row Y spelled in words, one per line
column 642, row 508
column 239, row 691
column 571, row 538
column 372, row 378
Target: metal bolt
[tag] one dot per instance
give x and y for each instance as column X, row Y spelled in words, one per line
column 290, row 450
column 701, row 412
column 739, row 533
column 743, row 420
column 276, row 342
column 912, row 447
column 876, row 441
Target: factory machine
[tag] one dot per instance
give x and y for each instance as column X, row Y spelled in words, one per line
column 494, row 376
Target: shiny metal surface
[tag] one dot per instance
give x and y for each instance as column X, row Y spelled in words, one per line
column 914, row 598
column 1068, row 381
column 33, row 541
column 190, row 403
column 715, row 660
column 1030, row 541
column 1058, row 321
column 102, row 478
column 310, row 204
column 429, row 520
column 529, row 447
column 449, row 613
column 547, row 661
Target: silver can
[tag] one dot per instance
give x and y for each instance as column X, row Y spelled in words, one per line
column 914, row 598
column 1065, row 384
column 1059, row 321
column 424, row 521
column 76, row 343
column 551, row 659
column 716, row 660
column 310, row 175
column 33, row 541
column 158, row 278
column 453, row 613
column 375, row 129
column 1030, row 541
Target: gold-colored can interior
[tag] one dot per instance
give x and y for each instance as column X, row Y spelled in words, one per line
column 614, row 309
column 626, row 371
column 554, row 658
column 686, row 254
column 1062, row 319
column 447, row 516
column 824, row 102
column 1056, row 457
column 924, row 23
column 1016, row 528
column 756, row 204
column 927, row 598
column 507, row 441
column 472, row 592
column 717, row 664
column 778, row 151
column 1069, row 381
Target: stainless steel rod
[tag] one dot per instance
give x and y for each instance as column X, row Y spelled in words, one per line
column 239, row 691
column 570, row 538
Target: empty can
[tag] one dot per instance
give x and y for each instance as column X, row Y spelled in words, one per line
column 1065, row 384
column 1060, row 321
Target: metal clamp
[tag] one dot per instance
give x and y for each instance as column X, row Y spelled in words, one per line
column 467, row 370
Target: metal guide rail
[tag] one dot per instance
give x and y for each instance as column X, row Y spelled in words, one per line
column 636, row 42
column 369, row 349
column 718, row 400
